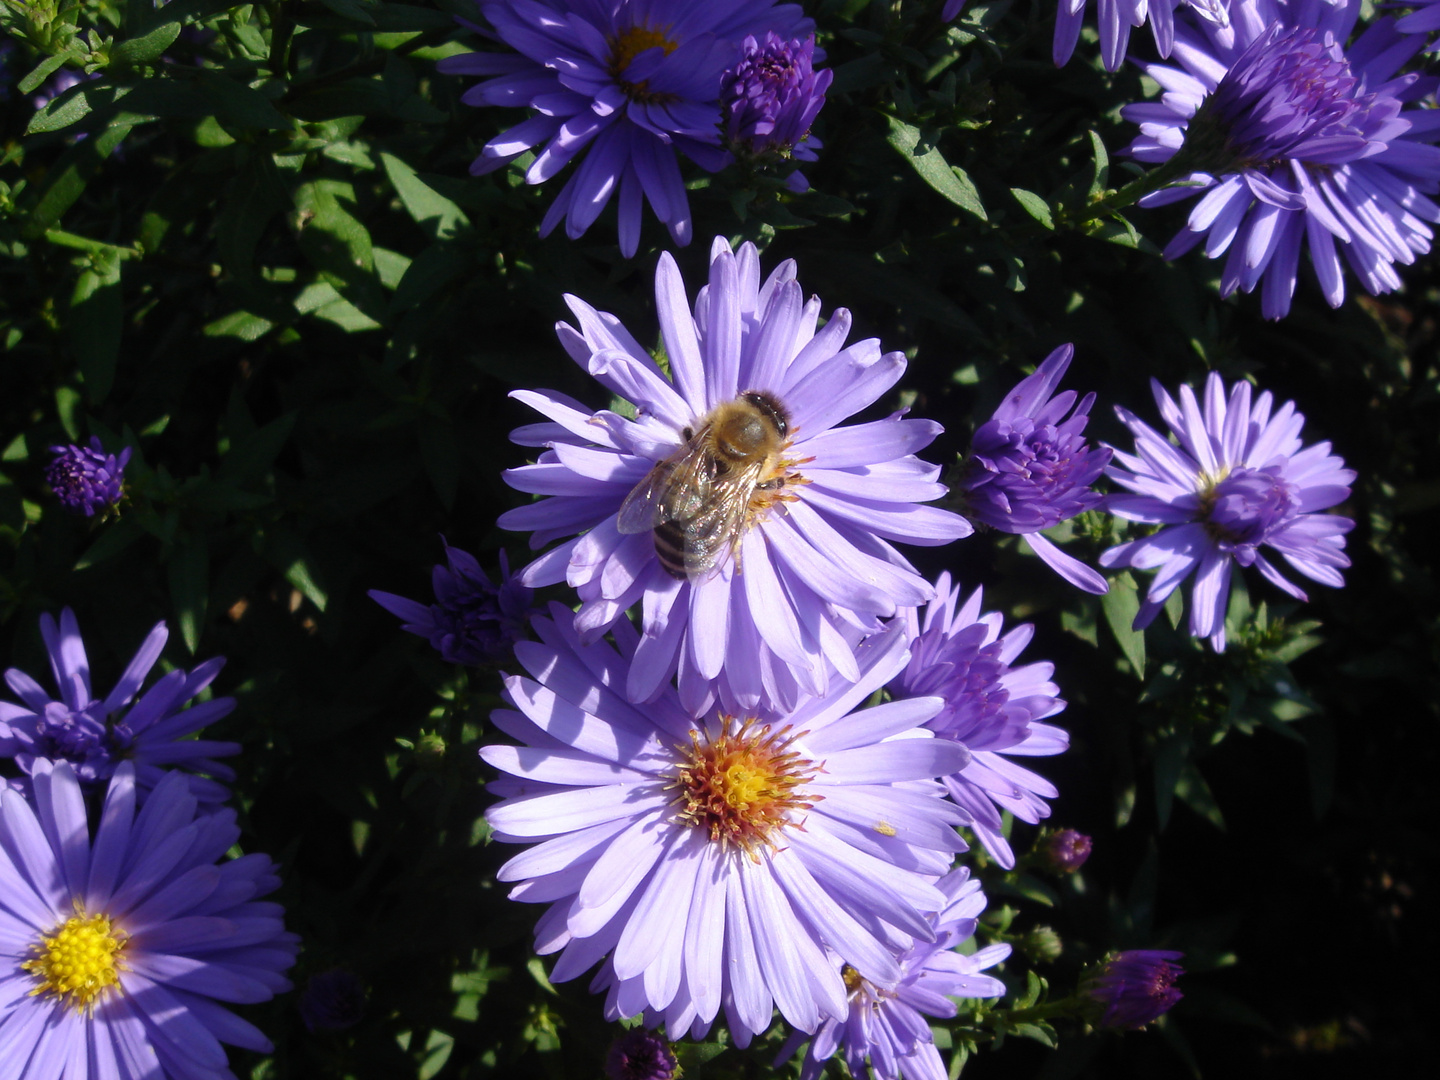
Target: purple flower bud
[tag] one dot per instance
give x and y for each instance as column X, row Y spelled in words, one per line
column 640, row 1055
column 86, row 479
column 1030, row 467
column 1136, row 987
column 333, row 1001
column 771, row 97
column 472, row 621
column 1065, row 852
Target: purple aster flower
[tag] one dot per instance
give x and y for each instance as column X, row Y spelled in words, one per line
column 1065, row 851
column 991, row 708
column 85, row 478
column 723, row 861
column 1238, row 480
column 640, row 1055
column 119, row 953
column 1030, row 468
column 472, row 621
column 776, row 547
column 1136, row 987
column 1117, row 18
column 951, row 9
column 770, row 99
column 333, row 1000
column 886, row 1025
column 627, row 82
column 96, row 735
column 1295, row 139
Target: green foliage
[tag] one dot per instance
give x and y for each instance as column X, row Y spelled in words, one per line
column 246, row 245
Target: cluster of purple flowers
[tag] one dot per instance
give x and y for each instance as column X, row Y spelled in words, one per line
column 713, row 824
column 126, row 931
column 618, row 87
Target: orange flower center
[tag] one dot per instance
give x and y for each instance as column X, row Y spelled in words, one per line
column 743, row 786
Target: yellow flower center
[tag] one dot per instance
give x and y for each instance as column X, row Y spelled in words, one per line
column 743, row 786
column 626, row 47
column 79, row 961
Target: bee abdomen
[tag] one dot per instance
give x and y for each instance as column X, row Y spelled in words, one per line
column 670, row 548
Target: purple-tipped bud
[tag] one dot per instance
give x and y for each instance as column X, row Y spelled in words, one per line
column 1136, row 987
column 333, row 1001
column 771, row 97
column 640, row 1055
column 1065, row 852
column 472, row 621
column 85, row 478
column 1030, row 467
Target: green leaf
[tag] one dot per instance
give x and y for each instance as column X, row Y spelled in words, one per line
column 66, row 180
column 434, row 213
column 238, row 324
column 351, row 9
column 113, row 539
column 254, row 195
column 432, row 270
column 1121, row 604
column 189, row 573
column 74, row 105
column 441, row 454
column 251, row 455
column 146, row 47
column 95, row 322
column 1100, row 172
column 1169, row 761
column 237, row 105
column 1034, row 205
column 42, row 71
column 947, row 179
column 1195, row 793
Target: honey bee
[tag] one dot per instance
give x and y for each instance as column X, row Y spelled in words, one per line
column 697, row 499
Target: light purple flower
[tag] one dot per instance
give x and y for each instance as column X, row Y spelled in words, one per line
column 85, row 478
column 1030, row 467
column 473, row 621
column 723, row 861
column 812, row 567
column 770, row 99
column 1238, row 480
column 1424, row 19
column 1295, row 141
column 1136, row 987
column 886, row 1025
column 617, row 86
column 122, row 940
column 1116, row 18
column 991, row 708
column 96, row 735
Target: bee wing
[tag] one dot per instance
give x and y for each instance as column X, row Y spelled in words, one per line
column 717, row 523
column 675, row 489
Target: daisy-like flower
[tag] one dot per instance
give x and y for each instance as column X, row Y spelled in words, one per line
column 1133, row 988
column 85, row 478
column 626, row 83
column 779, row 574
column 720, row 861
column 886, row 1026
column 1117, row 18
column 1295, row 141
column 473, row 621
column 119, row 953
column 770, row 98
column 1030, row 467
column 95, row 735
column 1239, row 479
column 991, row 708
